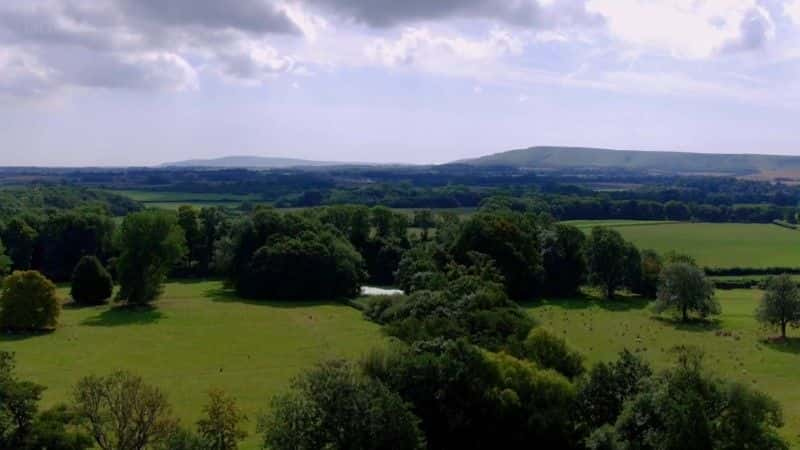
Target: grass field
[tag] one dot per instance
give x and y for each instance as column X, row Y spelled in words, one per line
column 713, row 244
column 172, row 200
column 734, row 344
column 199, row 337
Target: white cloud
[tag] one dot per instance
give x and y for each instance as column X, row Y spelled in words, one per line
column 791, row 8
column 687, row 28
column 420, row 46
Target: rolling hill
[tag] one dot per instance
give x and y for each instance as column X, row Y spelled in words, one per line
column 251, row 162
column 655, row 161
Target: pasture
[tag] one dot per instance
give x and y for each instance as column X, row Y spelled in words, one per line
column 173, row 200
column 734, row 344
column 199, row 336
column 712, row 244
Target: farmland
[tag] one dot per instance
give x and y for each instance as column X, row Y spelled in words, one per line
column 734, row 344
column 713, row 244
column 199, row 337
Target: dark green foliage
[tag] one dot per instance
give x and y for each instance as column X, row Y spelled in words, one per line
column 150, row 243
column 633, row 268
column 686, row 408
column 471, row 304
column 22, row 427
column 563, row 258
column 603, row 393
column 419, row 269
column 652, row 264
column 605, row 257
column 382, row 257
column 21, row 241
column 334, row 407
column 780, row 304
column 292, row 257
column 28, row 302
column 511, row 240
column 470, row 400
column 91, row 282
column 66, row 237
column 313, row 265
column 549, row 351
column 684, row 288
column 189, row 221
column 39, row 200
column 5, row 261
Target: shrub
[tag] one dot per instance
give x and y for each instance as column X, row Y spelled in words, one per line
column 28, row 302
column 91, row 282
column 551, row 352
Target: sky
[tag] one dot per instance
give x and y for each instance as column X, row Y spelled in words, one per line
column 143, row 82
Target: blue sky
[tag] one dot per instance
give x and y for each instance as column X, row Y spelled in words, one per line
column 140, row 82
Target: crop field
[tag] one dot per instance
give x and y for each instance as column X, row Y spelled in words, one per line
column 713, row 244
column 199, row 336
column 734, row 345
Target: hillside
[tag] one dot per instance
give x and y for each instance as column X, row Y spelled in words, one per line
column 669, row 162
column 250, row 162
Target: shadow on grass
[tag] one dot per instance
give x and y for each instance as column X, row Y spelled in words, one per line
column 584, row 301
column 9, row 336
column 225, row 295
column 788, row 345
column 125, row 315
column 693, row 324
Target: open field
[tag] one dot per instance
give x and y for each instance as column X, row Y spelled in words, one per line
column 199, row 337
column 172, row 200
column 713, row 244
column 601, row 329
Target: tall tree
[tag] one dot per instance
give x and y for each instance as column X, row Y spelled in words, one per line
column 20, row 238
column 221, row 428
column 188, row 219
column 780, row 304
column 124, row 413
column 684, row 288
column 605, row 258
column 150, row 243
column 5, row 261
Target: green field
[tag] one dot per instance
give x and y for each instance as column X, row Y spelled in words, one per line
column 734, row 344
column 172, row 200
column 713, row 244
column 199, row 337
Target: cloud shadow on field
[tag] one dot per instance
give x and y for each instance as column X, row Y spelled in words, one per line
column 124, row 315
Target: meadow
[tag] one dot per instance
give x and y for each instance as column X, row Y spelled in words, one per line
column 712, row 244
column 735, row 343
column 173, row 200
column 199, row 336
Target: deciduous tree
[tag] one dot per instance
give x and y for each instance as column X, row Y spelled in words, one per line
column 780, row 304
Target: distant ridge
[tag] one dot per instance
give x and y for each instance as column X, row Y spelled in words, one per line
column 251, row 162
column 656, row 161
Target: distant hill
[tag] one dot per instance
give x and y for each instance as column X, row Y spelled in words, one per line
column 669, row 162
column 251, row 162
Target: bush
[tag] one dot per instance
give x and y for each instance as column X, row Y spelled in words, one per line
column 91, row 282
column 28, row 302
column 549, row 351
